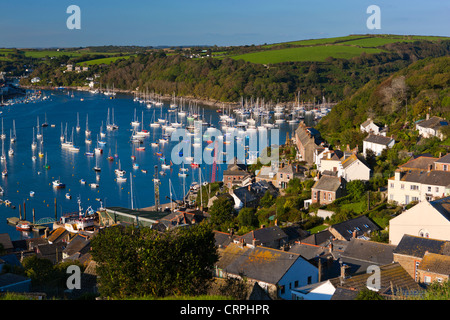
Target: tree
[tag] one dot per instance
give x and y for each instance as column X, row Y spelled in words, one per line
column 222, row 213
column 267, row 200
column 356, row 188
column 367, row 294
column 141, row 261
column 247, row 218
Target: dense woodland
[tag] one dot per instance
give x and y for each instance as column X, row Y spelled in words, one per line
column 226, row 79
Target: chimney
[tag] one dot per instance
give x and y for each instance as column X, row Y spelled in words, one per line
column 354, row 234
column 319, row 271
column 428, row 116
column 344, row 267
column 348, row 147
column 330, row 247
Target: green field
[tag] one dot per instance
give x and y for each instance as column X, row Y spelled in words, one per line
column 319, row 49
column 315, row 53
column 103, row 60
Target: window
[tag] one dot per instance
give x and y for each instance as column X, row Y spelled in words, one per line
column 445, row 167
column 402, row 186
column 314, row 195
column 429, row 189
column 415, row 199
column 296, row 283
column 427, row 279
column 437, row 189
column 414, row 187
column 329, row 197
column 282, row 289
column 309, row 280
column 392, row 185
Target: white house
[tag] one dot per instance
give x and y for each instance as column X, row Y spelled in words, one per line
column 276, row 271
column 430, row 127
column 355, row 168
column 425, row 219
column 413, row 185
column 35, row 80
column 369, row 126
column 317, row 291
column 377, row 144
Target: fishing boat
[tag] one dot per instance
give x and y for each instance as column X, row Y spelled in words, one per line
column 68, row 196
column 154, row 144
column 75, row 222
column 23, row 226
column 32, row 193
column 140, row 148
column 82, row 181
column 94, row 185
column 58, row 184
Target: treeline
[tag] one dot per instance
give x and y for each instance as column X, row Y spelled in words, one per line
column 229, row 80
column 397, row 101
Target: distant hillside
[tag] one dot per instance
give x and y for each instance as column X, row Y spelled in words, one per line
column 333, row 68
column 320, row 49
column 397, row 101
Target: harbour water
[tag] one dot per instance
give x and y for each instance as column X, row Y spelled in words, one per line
column 29, row 182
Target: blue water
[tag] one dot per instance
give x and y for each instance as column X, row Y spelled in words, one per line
column 25, row 175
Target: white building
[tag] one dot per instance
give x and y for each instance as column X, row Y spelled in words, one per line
column 413, row 185
column 377, row 144
column 430, row 127
column 425, row 219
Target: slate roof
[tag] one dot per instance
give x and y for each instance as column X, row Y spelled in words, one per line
column 417, row 246
column 361, row 225
column 328, row 183
column 436, row 263
column 419, row 163
column 434, row 177
column 259, row 263
column 378, row 139
column 369, row 251
column 5, row 240
column 444, row 159
column 391, row 275
column 7, row 279
column 442, row 206
column 433, row 123
column 319, row 238
column 265, row 235
column 78, row 244
column 352, row 159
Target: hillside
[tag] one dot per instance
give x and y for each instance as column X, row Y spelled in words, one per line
column 342, row 66
column 397, row 101
column 320, row 49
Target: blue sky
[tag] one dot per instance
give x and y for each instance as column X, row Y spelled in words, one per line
column 42, row 23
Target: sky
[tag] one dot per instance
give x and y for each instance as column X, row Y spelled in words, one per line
column 42, row 23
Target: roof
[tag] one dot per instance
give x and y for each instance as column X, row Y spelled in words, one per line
column 442, row 206
column 433, row 177
column 360, row 225
column 328, row 183
column 369, row 251
column 265, row 235
column 8, row 279
column 391, row 276
column 420, row 163
column 352, row 159
column 444, row 159
column 5, row 240
column 435, row 263
column 378, row 139
column 77, row 244
column 258, row 263
column 308, row 134
column 320, row 238
column 222, row 239
column 57, row 234
column 417, row 246
column 433, row 123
